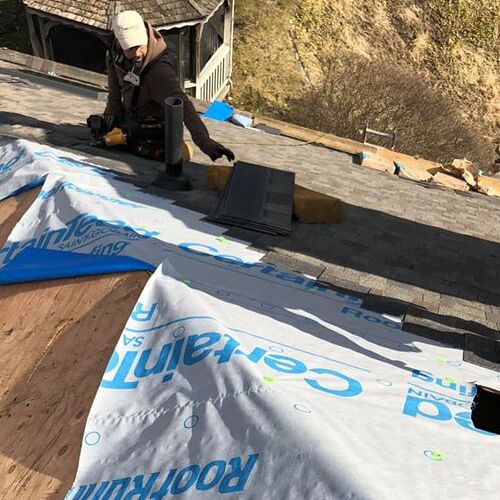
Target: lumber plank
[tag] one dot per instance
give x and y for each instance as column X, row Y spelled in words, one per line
column 488, row 185
column 450, row 182
column 413, row 172
column 409, row 161
column 307, row 135
column 377, row 163
column 346, row 145
column 54, row 68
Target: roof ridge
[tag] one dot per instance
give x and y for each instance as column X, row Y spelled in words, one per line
column 96, row 14
column 200, row 10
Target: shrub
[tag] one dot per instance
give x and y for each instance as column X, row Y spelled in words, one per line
column 355, row 91
column 14, row 26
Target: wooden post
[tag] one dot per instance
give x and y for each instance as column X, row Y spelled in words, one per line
column 35, row 40
column 197, row 57
column 231, row 35
column 45, row 27
column 114, row 8
column 180, row 57
column 45, row 46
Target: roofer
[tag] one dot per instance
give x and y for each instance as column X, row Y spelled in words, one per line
column 140, row 77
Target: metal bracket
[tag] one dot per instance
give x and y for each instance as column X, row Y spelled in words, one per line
column 387, row 135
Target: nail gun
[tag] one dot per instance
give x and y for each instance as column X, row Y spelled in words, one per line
column 145, row 138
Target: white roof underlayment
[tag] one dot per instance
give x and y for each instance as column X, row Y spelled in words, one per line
column 235, row 378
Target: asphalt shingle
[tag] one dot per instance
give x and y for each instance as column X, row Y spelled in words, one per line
column 429, row 248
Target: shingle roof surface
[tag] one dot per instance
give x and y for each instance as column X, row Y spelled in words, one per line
column 157, row 12
column 433, row 250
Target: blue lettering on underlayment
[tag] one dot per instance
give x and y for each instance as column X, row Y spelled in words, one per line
column 14, row 163
column 81, row 232
column 128, row 368
column 72, row 163
column 70, row 186
column 11, row 165
column 440, row 399
column 265, row 270
column 271, row 272
column 221, row 476
column 62, row 160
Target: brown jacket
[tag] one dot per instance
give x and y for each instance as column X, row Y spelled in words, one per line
column 158, row 83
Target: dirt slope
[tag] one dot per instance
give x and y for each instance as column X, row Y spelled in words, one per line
column 283, row 49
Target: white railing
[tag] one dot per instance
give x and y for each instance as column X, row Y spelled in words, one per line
column 215, row 75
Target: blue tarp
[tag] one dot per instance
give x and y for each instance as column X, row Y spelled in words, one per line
column 36, row 264
column 219, row 111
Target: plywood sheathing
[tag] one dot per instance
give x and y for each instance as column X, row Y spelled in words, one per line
column 450, row 182
column 56, row 338
column 12, row 209
column 413, row 172
column 488, row 185
column 377, row 163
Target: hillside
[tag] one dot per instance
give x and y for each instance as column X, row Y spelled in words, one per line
column 428, row 70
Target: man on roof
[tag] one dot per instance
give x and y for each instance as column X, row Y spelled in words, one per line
column 141, row 76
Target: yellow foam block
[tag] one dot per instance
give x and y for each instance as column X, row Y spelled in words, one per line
column 312, row 207
column 187, row 151
column 217, row 176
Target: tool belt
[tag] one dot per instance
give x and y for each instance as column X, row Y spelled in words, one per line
column 149, row 129
column 146, row 137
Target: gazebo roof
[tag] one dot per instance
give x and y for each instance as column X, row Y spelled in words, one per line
column 157, row 12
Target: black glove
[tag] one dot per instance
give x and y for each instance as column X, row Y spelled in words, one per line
column 219, row 151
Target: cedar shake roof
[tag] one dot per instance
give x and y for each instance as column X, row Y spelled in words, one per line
column 157, row 12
